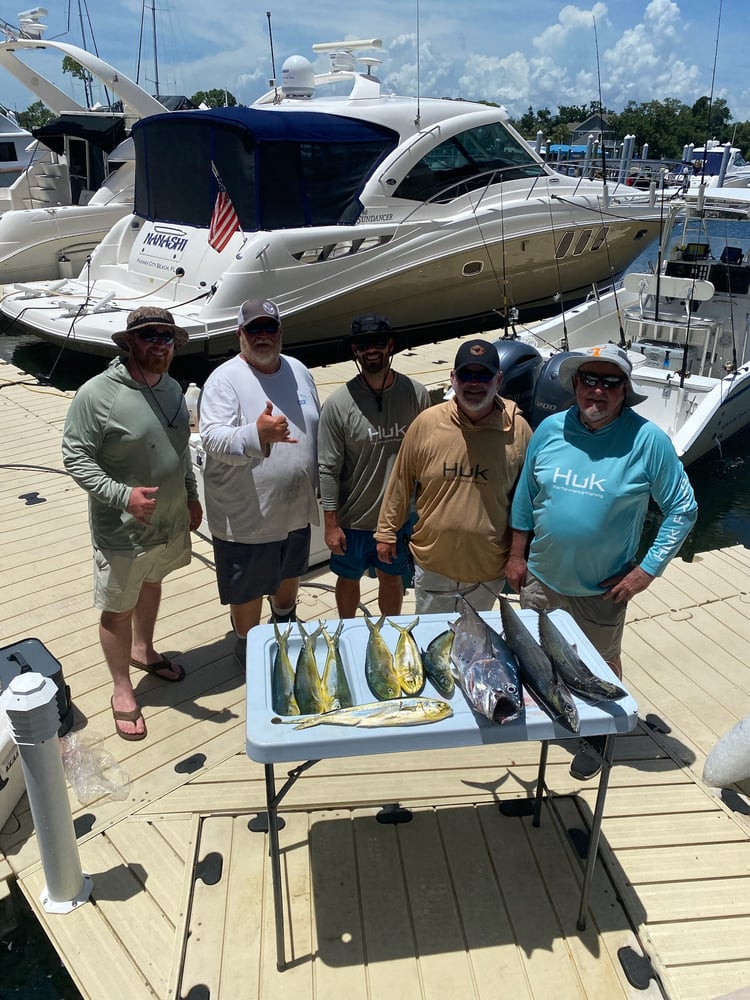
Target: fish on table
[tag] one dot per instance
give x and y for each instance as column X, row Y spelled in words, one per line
column 570, row 666
column 376, row 714
column 282, row 676
column 334, row 681
column 436, row 660
column 308, row 689
column 484, row 667
column 537, row 671
column 407, row 660
column 380, row 670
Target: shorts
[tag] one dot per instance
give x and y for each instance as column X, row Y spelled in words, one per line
column 120, row 574
column 248, row 572
column 436, row 594
column 601, row 620
column 362, row 554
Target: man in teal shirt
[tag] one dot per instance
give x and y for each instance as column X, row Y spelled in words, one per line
column 581, row 503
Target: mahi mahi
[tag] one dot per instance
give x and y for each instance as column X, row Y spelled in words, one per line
column 380, row 671
column 334, row 682
column 308, row 689
column 571, row 667
column 537, row 671
column 408, row 660
column 436, row 660
column 282, row 676
column 396, row 712
column 486, row 674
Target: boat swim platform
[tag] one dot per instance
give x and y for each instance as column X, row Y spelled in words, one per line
column 464, row 899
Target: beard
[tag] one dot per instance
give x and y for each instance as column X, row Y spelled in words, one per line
column 474, row 402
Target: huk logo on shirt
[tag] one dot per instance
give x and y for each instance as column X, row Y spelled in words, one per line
column 471, row 472
column 378, row 435
column 571, row 480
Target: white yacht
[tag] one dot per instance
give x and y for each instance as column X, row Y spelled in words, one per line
column 15, row 148
column 435, row 212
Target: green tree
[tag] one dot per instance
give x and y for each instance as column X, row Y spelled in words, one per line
column 34, row 116
column 215, row 98
column 72, row 66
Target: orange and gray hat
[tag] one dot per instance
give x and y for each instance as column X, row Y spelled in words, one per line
column 144, row 317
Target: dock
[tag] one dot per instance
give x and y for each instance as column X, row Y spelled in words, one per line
column 466, row 900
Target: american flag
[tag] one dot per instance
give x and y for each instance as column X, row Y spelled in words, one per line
column 224, row 220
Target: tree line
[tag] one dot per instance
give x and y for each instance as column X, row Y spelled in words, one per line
column 667, row 126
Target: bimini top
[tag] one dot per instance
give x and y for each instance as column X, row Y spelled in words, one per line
column 103, row 130
column 281, row 170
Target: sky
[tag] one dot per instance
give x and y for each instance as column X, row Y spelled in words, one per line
column 538, row 53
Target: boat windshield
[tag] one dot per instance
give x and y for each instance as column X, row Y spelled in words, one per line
column 280, row 170
column 467, row 161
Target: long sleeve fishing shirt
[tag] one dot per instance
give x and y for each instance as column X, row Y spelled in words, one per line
column 463, row 474
column 255, row 495
column 120, row 433
column 585, row 494
column 359, row 437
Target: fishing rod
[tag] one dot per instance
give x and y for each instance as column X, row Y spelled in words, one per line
column 273, row 59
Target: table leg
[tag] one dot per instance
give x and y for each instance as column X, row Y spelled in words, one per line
column 540, row 783
column 596, row 828
column 273, row 847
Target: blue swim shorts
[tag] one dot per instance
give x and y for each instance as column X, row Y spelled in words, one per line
column 362, row 554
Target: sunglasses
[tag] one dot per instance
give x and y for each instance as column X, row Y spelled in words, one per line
column 379, row 343
column 605, row 381
column 155, row 337
column 465, row 375
column 255, row 328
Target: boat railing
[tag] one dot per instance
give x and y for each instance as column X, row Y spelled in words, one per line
column 674, row 341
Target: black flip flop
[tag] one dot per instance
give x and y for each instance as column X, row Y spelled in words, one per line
column 162, row 664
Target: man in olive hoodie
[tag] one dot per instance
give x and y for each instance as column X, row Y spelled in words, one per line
column 126, row 443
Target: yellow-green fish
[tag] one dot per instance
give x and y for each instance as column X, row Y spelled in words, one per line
column 308, row 689
column 408, row 660
column 380, row 671
column 436, row 660
column 282, row 676
column 396, row 712
column 335, row 685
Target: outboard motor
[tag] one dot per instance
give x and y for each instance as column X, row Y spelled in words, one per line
column 519, row 364
column 549, row 395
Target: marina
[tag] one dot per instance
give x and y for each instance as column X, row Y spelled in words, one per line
column 466, row 895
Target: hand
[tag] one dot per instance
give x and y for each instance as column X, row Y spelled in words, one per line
column 142, row 503
column 273, row 430
column 623, row 586
column 335, row 540
column 387, row 551
column 195, row 514
column 515, row 572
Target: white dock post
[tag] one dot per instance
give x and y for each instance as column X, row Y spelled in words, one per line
column 31, row 704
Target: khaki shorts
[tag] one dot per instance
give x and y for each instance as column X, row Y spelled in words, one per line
column 119, row 575
column 436, row 594
column 601, row 621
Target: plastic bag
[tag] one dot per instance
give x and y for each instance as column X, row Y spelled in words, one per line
column 92, row 772
column 728, row 761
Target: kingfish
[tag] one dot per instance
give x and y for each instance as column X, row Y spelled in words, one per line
column 407, row 660
column 436, row 660
column 538, row 672
column 334, row 682
column 282, row 676
column 486, row 673
column 396, row 712
column 380, row 671
column 308, row 689
column 571, row 667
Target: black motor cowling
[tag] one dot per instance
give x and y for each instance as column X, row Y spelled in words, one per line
column 519, row 364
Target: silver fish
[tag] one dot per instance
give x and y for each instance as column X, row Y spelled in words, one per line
column 436, row 660
column 485, row 673
column 335, row 685
column 408, row 660
column 396, row 712
column 282, row 676
column 571, row 667
column 537, row 671
column 380, row 671
column 308, row 689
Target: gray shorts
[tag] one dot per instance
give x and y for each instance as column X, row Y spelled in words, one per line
column 119, row 574
column 436, row 594
column 247, row 572
column 601, row 621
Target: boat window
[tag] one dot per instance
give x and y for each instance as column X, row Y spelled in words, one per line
column 564, row 245
column 8, row 152
column 487, row 154
column 599, row 239
column 582, row 242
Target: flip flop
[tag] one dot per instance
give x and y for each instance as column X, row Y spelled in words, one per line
column 132, row 716
column 162, row 664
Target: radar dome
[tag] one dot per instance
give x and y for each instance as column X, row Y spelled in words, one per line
column 297, row 77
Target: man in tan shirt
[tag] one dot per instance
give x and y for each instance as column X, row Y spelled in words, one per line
column 460, row 459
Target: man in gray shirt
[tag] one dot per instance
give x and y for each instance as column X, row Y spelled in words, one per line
column 362, row 425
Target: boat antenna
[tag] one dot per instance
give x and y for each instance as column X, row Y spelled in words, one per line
column 711, row 96
column 418, row 119
column 601, row 113
column 273, row 58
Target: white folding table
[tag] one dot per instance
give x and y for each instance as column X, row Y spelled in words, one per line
column 270, row 742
